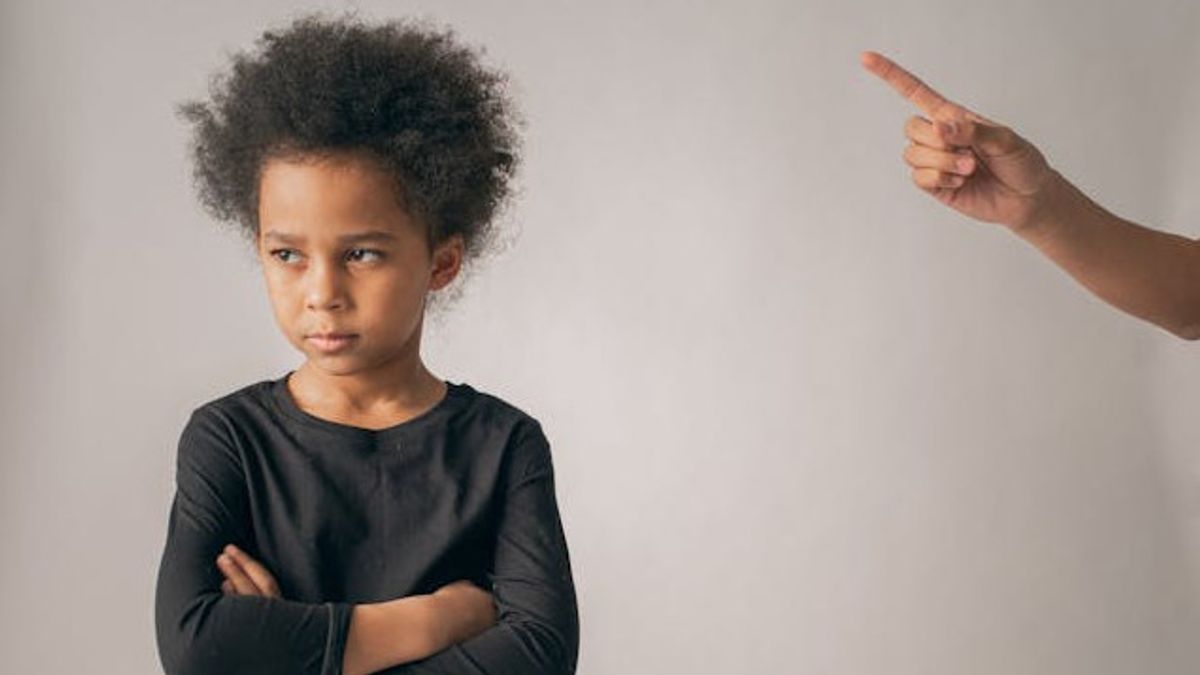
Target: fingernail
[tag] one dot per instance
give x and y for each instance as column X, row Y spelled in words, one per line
column 964, row 163
column 230, row 549
column 223, row 559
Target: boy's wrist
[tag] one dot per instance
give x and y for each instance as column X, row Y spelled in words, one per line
column 456, row 612
column 424, row 620
column 439, row 612
column 392, row 632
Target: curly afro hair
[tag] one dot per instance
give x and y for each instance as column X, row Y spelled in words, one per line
column 401, row 94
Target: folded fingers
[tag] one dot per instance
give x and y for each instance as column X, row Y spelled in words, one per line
column 236, row 579
column 960, row 161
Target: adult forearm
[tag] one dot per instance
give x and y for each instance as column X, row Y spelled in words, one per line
column 1150, row 274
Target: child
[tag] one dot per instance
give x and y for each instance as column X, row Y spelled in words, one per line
column 359, row 514
column 988, row 172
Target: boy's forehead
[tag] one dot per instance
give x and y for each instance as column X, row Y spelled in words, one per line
column 286, row 183
column 339, row 199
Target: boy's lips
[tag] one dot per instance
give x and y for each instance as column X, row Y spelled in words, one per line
column 331, row 342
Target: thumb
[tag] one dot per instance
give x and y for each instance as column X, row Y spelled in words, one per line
column 987, row 138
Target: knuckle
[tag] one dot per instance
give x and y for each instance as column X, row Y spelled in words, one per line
column 910, row 155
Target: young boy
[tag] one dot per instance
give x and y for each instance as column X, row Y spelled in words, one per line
column 359, row 514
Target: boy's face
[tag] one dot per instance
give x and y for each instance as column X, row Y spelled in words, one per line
column 341, row 255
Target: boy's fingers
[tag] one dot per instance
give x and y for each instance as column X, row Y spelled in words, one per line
column 259, row 574
column 907, row 84
column 242, row 584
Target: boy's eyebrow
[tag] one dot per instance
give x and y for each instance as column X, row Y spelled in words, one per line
column 373, row 235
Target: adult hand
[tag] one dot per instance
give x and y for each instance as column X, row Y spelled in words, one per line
column 245, row 575
column 978, row 167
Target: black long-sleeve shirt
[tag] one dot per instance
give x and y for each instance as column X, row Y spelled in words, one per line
column 343, row 515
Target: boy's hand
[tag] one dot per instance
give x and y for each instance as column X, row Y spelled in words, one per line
column 245, row 575
column 1004, row 178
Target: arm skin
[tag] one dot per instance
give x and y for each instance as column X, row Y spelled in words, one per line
column 415, row 627
column 389, row 633
column 1150, row 274
column 985, row 170
column 381, row 634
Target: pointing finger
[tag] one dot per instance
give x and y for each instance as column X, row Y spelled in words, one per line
column 907, row 84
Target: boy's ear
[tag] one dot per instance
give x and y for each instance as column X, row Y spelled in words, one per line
column 447, row 260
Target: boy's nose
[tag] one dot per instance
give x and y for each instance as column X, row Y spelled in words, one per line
column 325, row 288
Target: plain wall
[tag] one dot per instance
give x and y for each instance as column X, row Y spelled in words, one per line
column 804, row 418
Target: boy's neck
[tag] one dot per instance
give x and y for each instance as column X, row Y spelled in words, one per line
column 381, row 397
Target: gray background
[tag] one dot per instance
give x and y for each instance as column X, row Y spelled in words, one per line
column 805, row 420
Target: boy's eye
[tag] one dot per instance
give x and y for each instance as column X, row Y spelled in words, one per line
column 368, row 251
column 278, row 251
column 355, row 254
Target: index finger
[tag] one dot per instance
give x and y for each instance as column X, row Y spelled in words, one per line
column 909, row 85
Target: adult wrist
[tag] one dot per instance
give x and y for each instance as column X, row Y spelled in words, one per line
column 1051, row 208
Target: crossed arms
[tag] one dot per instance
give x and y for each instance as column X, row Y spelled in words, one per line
column 202, row 630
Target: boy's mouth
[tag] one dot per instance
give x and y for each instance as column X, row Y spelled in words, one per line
column 331, row 342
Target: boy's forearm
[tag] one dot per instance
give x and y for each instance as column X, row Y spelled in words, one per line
column 1151, row 274
column 386, row 634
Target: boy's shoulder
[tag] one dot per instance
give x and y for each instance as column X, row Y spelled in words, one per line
column 462, row 399
column 237, row 401
column 491, row 406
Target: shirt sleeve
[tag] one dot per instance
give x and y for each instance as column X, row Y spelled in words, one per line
column 537, row 628
column 202, row 631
